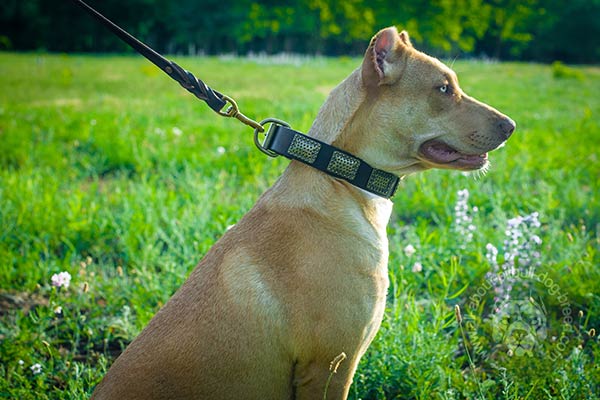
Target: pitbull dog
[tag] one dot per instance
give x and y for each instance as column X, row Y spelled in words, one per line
column 302, row 278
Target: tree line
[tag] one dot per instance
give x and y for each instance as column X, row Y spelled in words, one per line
column 540, row 30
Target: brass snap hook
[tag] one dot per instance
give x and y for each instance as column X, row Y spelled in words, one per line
column 233, row 111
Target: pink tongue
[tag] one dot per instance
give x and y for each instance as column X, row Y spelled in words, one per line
column 440, row 152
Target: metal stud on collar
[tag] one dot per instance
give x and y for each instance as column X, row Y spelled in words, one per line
column 343, row 165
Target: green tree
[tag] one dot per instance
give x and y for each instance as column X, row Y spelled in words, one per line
column 509, row 31
column 544, row 30
column 565, row 30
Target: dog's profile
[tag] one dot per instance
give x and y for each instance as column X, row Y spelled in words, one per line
column 303, row 276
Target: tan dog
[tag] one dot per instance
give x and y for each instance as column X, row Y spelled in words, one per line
column 303, row 276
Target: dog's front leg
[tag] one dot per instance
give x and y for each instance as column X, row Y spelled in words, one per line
column 319, row 379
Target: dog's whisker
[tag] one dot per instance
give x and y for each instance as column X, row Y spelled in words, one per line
column 480, row 173
column 453, row 61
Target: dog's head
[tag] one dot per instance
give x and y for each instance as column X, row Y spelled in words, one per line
column 424, row 120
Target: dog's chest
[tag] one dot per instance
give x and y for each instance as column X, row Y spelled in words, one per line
column 358, row 280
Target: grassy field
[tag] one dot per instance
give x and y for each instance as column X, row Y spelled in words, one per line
column 113, row 173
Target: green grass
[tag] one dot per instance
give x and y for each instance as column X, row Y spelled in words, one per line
column 95, row 180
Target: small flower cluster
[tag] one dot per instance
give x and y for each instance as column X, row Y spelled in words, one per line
column 521, row 255
column 409, row 251
column 463, row 217
column 36, row 368
column 522, row 242
column 62, row 279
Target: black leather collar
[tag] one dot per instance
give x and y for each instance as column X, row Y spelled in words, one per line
column 294, row 145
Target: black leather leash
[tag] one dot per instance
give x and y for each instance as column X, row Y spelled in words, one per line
column 280, row 139
column 186, row 79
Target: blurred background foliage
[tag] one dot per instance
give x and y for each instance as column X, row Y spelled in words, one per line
column 539, row 30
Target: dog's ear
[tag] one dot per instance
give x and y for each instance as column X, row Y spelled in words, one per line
column 405, row 39
column 383, row 62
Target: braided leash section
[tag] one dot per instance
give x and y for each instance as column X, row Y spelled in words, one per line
column 195, row 86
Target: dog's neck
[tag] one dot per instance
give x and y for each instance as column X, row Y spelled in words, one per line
column 343, row 102
column 304, row 186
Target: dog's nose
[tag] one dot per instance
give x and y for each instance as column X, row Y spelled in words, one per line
column 507, row 126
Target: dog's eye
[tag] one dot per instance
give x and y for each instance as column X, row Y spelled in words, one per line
column 444, row 88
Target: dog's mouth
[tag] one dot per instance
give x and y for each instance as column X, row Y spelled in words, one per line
column 442, row 155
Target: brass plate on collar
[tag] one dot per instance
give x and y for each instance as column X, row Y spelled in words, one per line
column 304, row 148
column 343, row 165
column 381, row 182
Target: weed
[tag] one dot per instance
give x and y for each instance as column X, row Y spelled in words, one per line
column 561, row 71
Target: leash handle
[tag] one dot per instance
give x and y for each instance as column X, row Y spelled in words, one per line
column 186, row 79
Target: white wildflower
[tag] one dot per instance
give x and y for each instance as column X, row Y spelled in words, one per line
column 62, row 279
column 417, row 267
column 220, row 150
column 521, row 256
column 463, row 217
column 176, row 131
column 409, row 250
column 58, row 310
column 491, row 254
column 521, row 242
column 36, row 368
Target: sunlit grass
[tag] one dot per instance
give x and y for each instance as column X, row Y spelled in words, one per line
column 111, row 172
